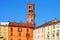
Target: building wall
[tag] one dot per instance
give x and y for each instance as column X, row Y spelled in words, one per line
column 20, row 34
column 4, row 30
column 13, row 33
column 52, row 32
column 47, row 32
column 35, row 33
column 38, row 34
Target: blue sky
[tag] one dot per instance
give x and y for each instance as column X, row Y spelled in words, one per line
column 45, row 10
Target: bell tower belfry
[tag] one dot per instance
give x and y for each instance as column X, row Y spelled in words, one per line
column 30, row 14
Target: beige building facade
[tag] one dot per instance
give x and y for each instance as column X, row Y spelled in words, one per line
column 48, row 31
column 52, row 30
column 38, row 33
column 4, row 30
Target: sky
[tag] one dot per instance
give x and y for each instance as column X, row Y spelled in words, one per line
column 45, row 10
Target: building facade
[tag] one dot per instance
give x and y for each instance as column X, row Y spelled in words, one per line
column 38, row 33
column 48, row 31
column 4, row 30
column 52, row 30
column 20, row 31
column 23, row 31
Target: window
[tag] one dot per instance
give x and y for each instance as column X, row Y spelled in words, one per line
column 58, row 24
column 42, row 35
column 4, row 28
column 11, row 34
column 11, row 39
column 0, row 28
column 30, row 10
column 48, row 32
column 42, row 30
column 48, row 28
column 4, row 39
column 48, row 35
column 19, row 39
column 19, row 29
column 38, row 31
column 57, row 32
column 48, row 38
column 38, row 36
column 53, row 26
column 27, row 29
column 1, row 37
column 4, row 33
column 19, row 34
column 0, row 33
column 29, row 6
column 27, row 35
column 11, row 29
column 53, row 33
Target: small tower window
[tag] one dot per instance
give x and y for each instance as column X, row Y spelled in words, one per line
column 30, row 10
column 29, row 6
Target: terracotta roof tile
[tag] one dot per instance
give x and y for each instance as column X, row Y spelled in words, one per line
column 21, row 24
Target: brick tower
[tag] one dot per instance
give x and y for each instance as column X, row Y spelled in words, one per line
column 30, row 14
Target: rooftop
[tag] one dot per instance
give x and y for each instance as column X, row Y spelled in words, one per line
column 55, row 21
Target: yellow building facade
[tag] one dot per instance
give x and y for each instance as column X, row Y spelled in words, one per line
column 4, row 30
